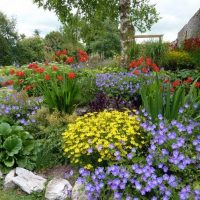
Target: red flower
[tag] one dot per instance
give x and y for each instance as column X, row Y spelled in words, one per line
column 148, row 62
column 172, row 89
column 69, row 60
column 166, row 81
column 136, row 72
column 197, row 84
column 64, row 52
column 10, row 82
column 39, row 70
column 20, row 81
column 54, row 68
column 83, row 59
column 12, row 71
column 71, row 75
column 4, row 84
column 133, row 64
column 144, row 70
column 47, row 77
column 59, row 77
column 188, row 80
column 46, row 63
column 20, row 73
column 28, row 87
column 33, row 66
column 140, row 61
column 176, row 83
column 155, row 68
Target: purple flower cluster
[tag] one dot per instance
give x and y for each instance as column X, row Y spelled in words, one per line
column 122, row 83
column 19, row 108
column 169, row 167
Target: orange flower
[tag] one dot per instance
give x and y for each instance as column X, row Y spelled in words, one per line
column 140, row 61
column 136, row 72
column 12, row 71
column 59, row 77
column 39, row 70
column 54, row 68
column 71, row 75
column 155, row 68
column 47, row 77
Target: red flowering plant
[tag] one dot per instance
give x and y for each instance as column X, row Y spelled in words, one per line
column 71, row 58
column 61, row 91
column 29, row 77
column 161, row 97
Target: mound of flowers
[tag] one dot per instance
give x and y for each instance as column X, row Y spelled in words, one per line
column 96, row 139
column 167, row 170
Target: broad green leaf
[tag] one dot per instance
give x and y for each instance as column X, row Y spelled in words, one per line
column 5, row 129
column 12, row 144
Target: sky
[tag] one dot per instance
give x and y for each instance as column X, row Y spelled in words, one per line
column 174, row 15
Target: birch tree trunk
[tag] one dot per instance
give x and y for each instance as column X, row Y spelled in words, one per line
column 127, row 30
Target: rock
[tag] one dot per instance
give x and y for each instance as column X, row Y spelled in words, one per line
column 8, row 181
column 58, row 189
column 78, row 192
column 28, row 181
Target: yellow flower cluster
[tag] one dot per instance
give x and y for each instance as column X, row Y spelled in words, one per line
column 95, row 137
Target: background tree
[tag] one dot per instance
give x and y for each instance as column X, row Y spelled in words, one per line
column 107, row 42
column 30, row 49
column 8, row 38
column 132, row 15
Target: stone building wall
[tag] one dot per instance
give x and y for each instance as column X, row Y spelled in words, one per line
column 191, row 29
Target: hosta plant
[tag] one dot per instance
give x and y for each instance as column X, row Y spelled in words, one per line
column 17, row 147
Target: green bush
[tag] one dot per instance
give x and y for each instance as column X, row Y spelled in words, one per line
column 177, row 60
column 17, row 147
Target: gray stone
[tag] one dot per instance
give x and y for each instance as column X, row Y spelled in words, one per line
column 28, row 181
column 8, row 181
column 78, row 192
column 58, row 189
column 191, row 29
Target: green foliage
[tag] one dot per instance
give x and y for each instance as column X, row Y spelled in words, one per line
column 18, row 148
column 177, row 60
column 48, row 127
column 107, row 43
column 155, row 50
column 8, row 37
column 158, row 99
column 61, row 92
column 30, row 50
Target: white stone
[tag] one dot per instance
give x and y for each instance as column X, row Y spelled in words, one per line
column 28, row 181
column 8, row 181
column 78, row 192
column 58, row 189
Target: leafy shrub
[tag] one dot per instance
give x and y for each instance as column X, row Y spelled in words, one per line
column 18, row 148
column 168, row 170
column 90, row 139
column 177, row 60
column 48, row 128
